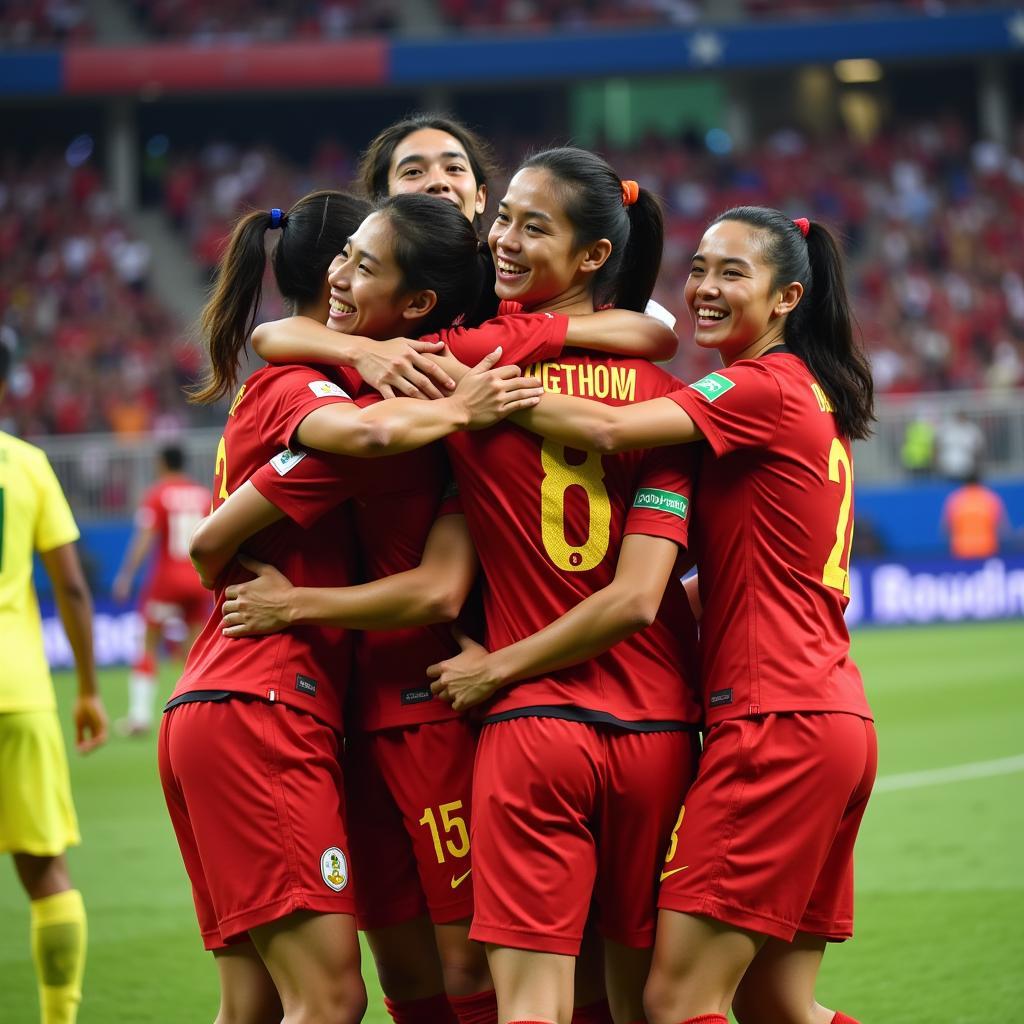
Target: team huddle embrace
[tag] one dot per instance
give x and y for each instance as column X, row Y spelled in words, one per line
column 454, row 693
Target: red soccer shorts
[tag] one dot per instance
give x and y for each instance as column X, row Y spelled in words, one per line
column 175, row 596
column 766, row 841
column 565, row 813
column 409, row 798
column 255, row 795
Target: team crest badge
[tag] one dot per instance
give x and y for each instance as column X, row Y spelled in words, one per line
column 713, row 386
column 334, row 868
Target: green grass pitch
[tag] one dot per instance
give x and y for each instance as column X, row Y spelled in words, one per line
column 940, row 877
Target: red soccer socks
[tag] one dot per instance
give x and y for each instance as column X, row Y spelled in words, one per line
column 432, row 1010
column 481, row 1008
column 841, row 1018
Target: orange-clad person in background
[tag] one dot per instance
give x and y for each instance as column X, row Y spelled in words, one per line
column 975, row 519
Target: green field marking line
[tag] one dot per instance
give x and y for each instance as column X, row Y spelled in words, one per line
column 954, row 773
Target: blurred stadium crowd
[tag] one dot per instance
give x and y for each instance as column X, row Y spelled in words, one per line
column 930, row 216
column 50, row 22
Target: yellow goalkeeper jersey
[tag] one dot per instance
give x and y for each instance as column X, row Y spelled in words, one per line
column 34, row 516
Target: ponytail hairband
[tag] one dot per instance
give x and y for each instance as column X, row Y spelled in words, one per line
column 803, row 224
column 630, row 192
column 275, row 218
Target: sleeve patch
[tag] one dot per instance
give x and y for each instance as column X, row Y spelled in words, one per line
column 286, row 461
column 662, row 501
column 712, row 387
column 326, row 389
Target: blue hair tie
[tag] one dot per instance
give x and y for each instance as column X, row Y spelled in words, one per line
column 275, row 218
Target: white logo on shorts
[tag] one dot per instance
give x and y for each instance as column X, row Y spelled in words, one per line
column 334, row 868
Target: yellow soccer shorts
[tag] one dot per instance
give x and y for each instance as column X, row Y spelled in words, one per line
column 36, row 812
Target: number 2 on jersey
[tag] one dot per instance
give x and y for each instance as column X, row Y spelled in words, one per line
column 835, row 575
column 220, row 469
column 559, row 476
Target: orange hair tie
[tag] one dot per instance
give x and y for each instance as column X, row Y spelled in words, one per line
column 630, row 192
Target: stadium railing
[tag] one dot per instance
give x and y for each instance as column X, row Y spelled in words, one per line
column 105, row 474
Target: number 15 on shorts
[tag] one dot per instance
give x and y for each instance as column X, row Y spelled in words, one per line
column 452, row 824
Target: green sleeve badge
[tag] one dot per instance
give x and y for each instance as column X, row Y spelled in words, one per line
column 662, row 501
column 713, row 386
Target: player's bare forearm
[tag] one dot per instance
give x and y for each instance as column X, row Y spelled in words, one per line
column 74, row 605
column 432, row 592
column 218, row 537
column 628, row 604
column 623, row 332
column 483, row 396
column 138, row 549
column 398, row 365
column 582, row 423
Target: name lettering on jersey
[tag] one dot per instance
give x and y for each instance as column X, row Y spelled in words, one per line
column 663, row 501
column 286, row 461
column 713, row 386
column 237, row 400
column 326, row 389
column 824, row 402
column 305, row 685
column 587, row 380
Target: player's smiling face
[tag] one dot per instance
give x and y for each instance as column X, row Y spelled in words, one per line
column 536, row 258
column 432, row 161
column 730, row 294
column 365, row 284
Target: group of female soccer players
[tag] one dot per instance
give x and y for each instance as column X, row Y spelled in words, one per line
column 518, row 811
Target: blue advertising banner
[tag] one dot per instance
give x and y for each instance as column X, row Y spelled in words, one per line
column 882, row 593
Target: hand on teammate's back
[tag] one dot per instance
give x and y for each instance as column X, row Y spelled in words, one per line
column 465, row 680
column 402, row 367
column 90, row 723
column 489, row 394
column 259, row 605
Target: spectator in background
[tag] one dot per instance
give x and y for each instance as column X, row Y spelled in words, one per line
column 37, row 817
column 975, row 520
column 918, row 450
column 960, row 444
column 168, row 513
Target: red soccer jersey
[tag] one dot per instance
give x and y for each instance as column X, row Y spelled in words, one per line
column 398, row 500
column 773, row 542
column 306, row 667
column 548, row 522
column 172, row 507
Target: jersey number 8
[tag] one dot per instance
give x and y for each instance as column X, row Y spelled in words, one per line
column 559, row 476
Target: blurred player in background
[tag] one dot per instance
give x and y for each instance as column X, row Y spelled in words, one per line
column 37, row 816
column 167, row 515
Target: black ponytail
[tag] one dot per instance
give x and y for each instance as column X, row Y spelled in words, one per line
column 313, row 232
column 593, row 200
column 820, row 328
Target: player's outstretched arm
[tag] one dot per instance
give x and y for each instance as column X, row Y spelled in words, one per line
column 624, row 333
column 432, row 592
column 399, row 366
column 581, row 423
column 138, row 548
column 628, row 604
column 74, row 604
column 217, row 538
column 484, row 396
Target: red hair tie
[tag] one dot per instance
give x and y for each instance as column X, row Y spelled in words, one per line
column 803, row 224
column 630, row 192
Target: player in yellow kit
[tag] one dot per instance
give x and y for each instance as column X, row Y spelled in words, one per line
column 37, row 818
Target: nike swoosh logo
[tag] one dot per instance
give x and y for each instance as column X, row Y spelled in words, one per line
column 674, row 871
column 456, row 882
